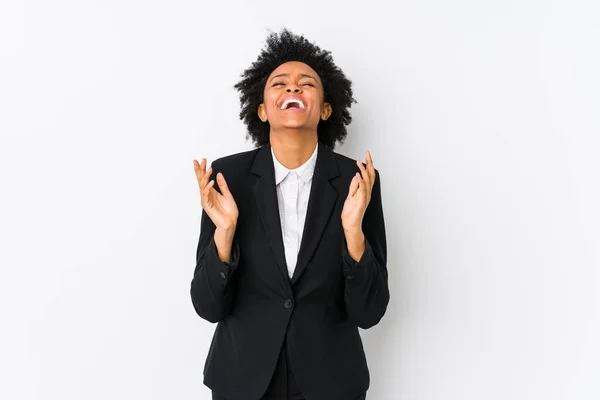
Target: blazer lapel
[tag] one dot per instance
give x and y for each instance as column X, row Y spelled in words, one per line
column 265, row 196
column 321, row 202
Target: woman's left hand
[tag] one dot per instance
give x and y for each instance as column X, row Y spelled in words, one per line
column 359, row 196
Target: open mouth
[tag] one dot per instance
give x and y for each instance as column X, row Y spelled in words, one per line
column 293, row 104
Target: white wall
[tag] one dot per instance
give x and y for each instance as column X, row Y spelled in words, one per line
column 481, row 116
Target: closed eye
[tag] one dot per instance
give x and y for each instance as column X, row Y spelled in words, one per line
column 278, row 83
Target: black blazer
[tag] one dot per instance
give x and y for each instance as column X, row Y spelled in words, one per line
column 318, row 310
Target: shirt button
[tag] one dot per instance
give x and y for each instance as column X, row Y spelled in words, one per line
column 288, row 303
column 223, row 275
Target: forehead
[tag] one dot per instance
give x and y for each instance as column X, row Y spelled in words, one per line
column 294, row 68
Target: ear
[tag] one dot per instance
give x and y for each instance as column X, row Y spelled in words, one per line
column 326, row 111
column 262, row 112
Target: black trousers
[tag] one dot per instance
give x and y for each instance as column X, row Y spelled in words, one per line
column 283, row 385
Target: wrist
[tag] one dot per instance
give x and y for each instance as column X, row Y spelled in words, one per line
column 354, row 231
column 356, row 244
column 354, row 236
column 224, row 242
column 226, row 233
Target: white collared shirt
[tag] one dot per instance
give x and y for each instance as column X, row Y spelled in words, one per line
column 293, row 190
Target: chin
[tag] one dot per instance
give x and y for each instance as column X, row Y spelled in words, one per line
column 294, row 126
column 297, row 125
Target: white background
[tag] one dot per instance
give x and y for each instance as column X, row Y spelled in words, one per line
column 482, row 117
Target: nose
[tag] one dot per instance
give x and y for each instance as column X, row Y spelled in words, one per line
column 293, row 88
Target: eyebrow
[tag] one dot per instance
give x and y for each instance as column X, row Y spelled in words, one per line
column 287, row 75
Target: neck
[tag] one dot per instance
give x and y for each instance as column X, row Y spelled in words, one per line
column 293, row 148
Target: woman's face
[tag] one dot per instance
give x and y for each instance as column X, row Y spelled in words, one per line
column 294, row 98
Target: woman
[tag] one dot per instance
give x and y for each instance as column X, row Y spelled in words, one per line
column 291, row 259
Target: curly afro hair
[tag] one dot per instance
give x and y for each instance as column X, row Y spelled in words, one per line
column 281, row 48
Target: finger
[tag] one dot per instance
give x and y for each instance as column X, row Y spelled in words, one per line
column 206, row 195
column 354, row 184
column 199, row 169
column 223, row 185
column 363, row 171
column 206, row 190
column 370, row 167
column 206, row 177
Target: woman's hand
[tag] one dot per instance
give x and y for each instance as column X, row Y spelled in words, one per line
column 220, row 207
column 359, row 196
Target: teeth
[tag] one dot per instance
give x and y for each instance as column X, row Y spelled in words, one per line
column 288, row 101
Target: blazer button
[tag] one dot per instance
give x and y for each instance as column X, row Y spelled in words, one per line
column 288, row 303
column 349, row 276
column 223, row 275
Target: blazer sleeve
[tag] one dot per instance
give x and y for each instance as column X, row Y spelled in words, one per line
column 213, row 285
column 366, row 292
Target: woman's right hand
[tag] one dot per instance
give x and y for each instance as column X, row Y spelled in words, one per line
column 220, row 207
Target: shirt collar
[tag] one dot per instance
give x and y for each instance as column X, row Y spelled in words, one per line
column 305, row 171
